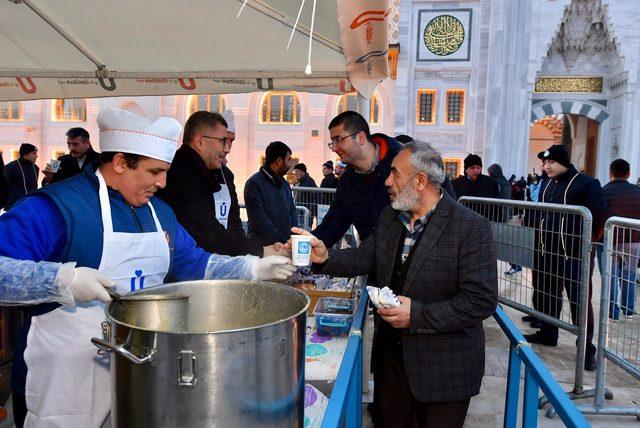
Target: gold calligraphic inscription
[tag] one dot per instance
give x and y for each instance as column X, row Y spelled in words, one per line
column 444, row 35
column 568, row 84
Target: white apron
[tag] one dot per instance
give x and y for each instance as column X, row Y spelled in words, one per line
column 222, row 199
column 68, row 384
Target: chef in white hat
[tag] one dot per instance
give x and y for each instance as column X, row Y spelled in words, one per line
column 100, row 229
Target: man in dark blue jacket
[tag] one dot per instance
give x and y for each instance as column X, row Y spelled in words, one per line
column 361, row 193
column 267, row 196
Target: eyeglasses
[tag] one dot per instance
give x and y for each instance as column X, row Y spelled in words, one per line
column 337, row 140
column 224, row 140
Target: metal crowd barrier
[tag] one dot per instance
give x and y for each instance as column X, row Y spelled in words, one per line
column 543, row 252
column 304, row 217
column 316, row 200
column 345, row 402
column 536, row 376
column 619, row 334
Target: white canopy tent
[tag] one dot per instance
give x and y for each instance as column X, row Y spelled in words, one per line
column 98, row 48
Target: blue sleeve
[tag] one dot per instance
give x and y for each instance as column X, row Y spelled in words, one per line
column 32, row 230
column 189, row 261
column 192, row 263
column 256, row 213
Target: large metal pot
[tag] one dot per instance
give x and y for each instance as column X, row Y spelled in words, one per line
column 235, row 360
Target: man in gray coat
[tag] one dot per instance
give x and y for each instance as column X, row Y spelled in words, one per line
column 440, row 259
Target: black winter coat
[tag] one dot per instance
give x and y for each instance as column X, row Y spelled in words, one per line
column 623, row 200
column 561, row 233
column 22, row 176
column 4, row 185
column 483, row 187
column 69, row 166
column 330, row 181
column 189, row 192
column 359, row 198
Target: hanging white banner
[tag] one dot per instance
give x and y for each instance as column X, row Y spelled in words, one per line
column 363, row 34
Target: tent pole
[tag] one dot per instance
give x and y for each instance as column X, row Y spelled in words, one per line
column 67, row 36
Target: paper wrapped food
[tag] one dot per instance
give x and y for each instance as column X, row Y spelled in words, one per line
column 383, row 297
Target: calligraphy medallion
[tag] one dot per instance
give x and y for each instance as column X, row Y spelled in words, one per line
column 444, row 35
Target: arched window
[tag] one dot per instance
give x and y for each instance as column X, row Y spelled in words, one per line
column 69, row 110
column 280, row 108
column 11, row 111
column 350, row 102
column 212, row 103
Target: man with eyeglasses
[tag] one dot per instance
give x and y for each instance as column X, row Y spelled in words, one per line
column 361, row 193
column 194, row 188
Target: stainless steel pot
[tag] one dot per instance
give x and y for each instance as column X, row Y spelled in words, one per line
column 235, row 360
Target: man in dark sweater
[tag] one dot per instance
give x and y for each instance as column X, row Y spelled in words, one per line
column 81, row 154
column 623, row 200
column 558, row 253
column 22, row 174
column 474, row 182
column 361, row 195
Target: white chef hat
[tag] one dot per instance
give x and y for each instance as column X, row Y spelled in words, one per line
column 228, row 116
column 126, row 132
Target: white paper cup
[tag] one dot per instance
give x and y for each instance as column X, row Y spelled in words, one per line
column 301, row 250
column 54, row 164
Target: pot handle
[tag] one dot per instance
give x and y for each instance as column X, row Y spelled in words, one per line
column 108, row 346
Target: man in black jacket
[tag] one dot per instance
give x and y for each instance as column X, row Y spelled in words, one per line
column 303, row 179
column 558, row 255
column 22, row 174
column 623, row 200
column 4, row 184
column 474, row 182
column 330, row 181
column 81, row 154
column 361, row 195
column 428, row 353
column 192, row 182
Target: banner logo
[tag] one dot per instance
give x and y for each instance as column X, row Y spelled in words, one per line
column 27, row 90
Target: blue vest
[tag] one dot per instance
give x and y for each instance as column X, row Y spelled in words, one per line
column 77, row 200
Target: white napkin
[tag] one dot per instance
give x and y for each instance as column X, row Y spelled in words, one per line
column 383, row 297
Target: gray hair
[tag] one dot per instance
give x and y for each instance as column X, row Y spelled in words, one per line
column 426, row 159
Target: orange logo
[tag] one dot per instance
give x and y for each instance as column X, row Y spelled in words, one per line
column 31, row 89
column 375, row 15
column 190, row 85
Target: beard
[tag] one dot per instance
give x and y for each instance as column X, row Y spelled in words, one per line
column 405, row 200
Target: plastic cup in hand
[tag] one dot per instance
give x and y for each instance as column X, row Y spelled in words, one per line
column 301, row 250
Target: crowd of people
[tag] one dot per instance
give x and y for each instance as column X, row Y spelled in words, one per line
column 145, row 209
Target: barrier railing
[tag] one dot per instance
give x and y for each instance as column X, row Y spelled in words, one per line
column 619, row 331
column 345, row 402
column 543, row 252
column 304, row 217
column 536, row 376
column 316, row 200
